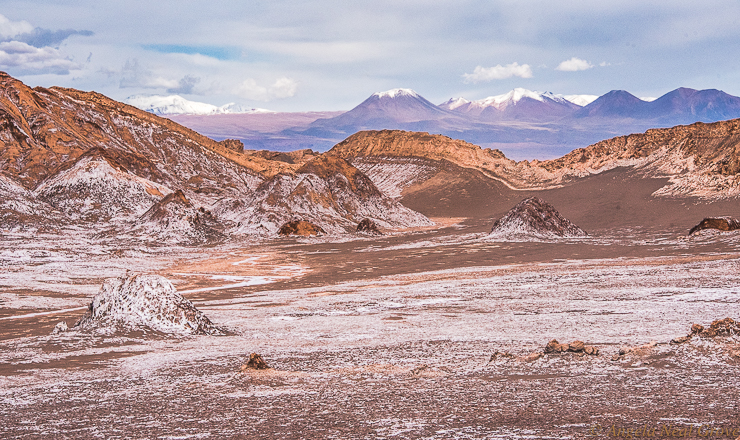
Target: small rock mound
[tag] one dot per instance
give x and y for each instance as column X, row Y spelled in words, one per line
column 574, row 347
column 720, row 327
column 367, row 226
column 719, row 223
column 638, row 350
column 255, row 362
column 301, row 228
column 144, row 301
column 534, row 217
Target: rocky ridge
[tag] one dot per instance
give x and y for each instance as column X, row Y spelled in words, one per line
column 700, row 160
column 96, row 162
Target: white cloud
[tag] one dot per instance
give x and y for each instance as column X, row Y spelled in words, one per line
column 481, row 74
column 282, row 88
column 26, row 59
column 133, row 75
column 573, row 65
column 10, row 29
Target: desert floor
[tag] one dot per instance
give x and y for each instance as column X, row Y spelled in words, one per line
column 380, row 337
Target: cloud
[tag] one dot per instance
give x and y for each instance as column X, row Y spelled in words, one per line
column 26, row 50
column 282, row 88
column 481, row 74
column 37, row 37
column 10, row 29
column 185, row 85
column 573, row 65
column 133, row 75
column 23, row 58
column 45, row 37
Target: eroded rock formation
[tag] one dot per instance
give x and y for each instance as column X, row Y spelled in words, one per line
column 367, row 226
column 300, row 228
column 533, row 217
column 718, row 223
column 144, row 302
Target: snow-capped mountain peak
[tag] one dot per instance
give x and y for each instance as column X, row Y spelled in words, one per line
column 454, row 103
column 581, row 100
column 516, row 95
column 177, row 105
column 395, row 93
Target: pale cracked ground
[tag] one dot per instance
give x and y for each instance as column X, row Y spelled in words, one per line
column 378, row 338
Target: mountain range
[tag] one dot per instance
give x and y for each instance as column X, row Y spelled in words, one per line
column 522, row 123
column 79, row 162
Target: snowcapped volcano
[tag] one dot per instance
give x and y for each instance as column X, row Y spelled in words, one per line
column 177, row 105
column 395, row 93
column 391, row 109
column 519, row 104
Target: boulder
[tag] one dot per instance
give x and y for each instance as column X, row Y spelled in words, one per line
column 638, row 349
column 139, row 301
column 718, row 223
column 578, row 347
column 368, row 226
column 255, row 362
column 721, row 327
column 534, row 217
column 300, row 228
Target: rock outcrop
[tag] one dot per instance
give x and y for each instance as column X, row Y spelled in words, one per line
column 175, row 220
column 574, row 347
column 255, row 362
column 367, row 226
column 533, row 217
column 148, row 302
column 717, row 223
column 327, row 191
column 301, row 228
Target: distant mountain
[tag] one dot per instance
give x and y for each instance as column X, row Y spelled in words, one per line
column 393, row 108
column 523, row 123
column 518, row 104
column 581, row 99
column 686, row 106
column 177, row 105
column 617, row 103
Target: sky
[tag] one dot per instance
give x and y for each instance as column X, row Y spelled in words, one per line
column 331, row 55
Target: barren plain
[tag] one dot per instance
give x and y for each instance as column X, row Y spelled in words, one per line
column 380, row 337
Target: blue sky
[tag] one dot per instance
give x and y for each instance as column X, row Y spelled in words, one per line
column 330, row 55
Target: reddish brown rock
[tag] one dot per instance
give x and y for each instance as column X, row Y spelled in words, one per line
column 696, row 328
column 532, row 356
column 255, row 363
column 576, row 346
column 301, row 228
column 639, row 349
column 368, row 226
column 718, row 223
column 721, row 327
column 233, row 144
column 681, row 339
column 500, row 355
